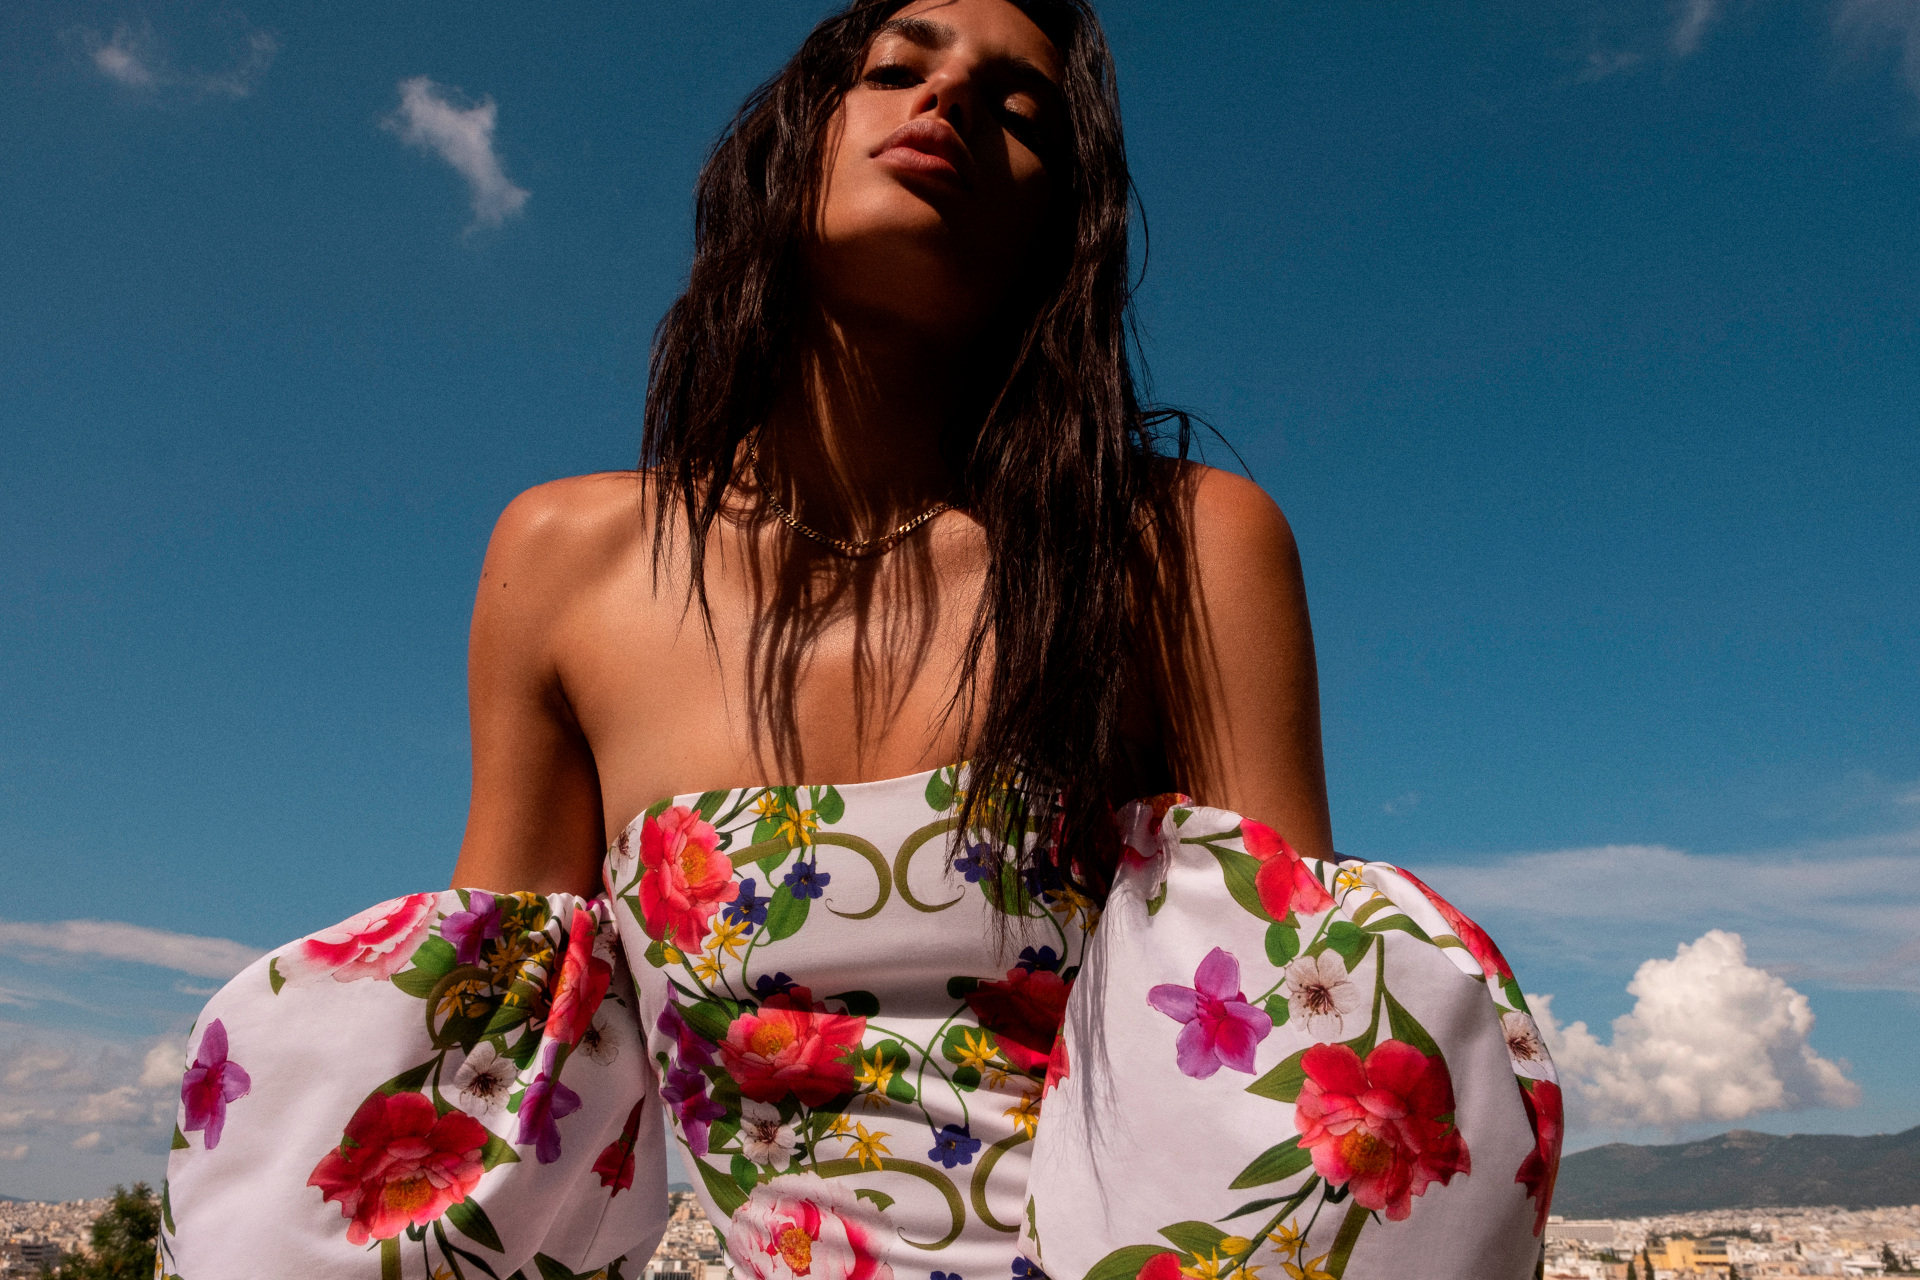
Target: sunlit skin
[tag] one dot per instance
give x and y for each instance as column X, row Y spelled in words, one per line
column 594, row 690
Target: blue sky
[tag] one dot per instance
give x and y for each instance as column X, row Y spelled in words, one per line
column 1577, row 339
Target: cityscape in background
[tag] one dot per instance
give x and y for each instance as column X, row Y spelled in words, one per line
column 1735, row 1244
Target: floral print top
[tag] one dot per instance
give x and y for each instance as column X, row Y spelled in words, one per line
column 1251, row 1065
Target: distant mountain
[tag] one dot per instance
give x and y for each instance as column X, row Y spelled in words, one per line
column 1741, row 1169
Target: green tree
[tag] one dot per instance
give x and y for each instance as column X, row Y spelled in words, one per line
column 123, row 1240
column 1633, row 1272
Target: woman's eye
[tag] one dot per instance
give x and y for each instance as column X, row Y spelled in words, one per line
column 893, row 75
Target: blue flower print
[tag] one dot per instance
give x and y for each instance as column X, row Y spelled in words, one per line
column 944, row 1275
column 1042, row 879
column 746, row 908
column 806, row 880
column 1024, row 1270
column 953, row 1146
column 974, row 862
column 1046, row 958
column 772, row 984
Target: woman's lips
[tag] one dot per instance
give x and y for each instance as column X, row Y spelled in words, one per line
column 927, row 146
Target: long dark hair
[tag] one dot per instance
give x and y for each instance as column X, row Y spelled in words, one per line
column 1061, row 464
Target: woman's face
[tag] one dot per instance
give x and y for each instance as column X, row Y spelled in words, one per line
column 936, row 182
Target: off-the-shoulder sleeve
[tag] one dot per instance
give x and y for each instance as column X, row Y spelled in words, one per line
column 1320, row 1069
column 447, row 1084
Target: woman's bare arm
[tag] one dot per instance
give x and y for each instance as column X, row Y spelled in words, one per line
column 534, row 822
column 1235, row 677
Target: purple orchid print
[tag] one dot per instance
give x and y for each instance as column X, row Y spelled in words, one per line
column 211, row 1083
column 469, row 930
column 687, row 1092
column 693, row 1050
column 1222, row 1029
column 544, row 1104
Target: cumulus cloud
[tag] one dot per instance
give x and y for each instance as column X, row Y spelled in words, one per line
column 89, row 1094
column 136, row 57
column 1710, row 1038
column 1870, row 24
column 181, row 952
column 463, row 137
column 15, row 1152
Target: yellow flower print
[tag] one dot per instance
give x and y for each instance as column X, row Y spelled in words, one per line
column 976, row 1052
column 1308, row 1271
column 1347, row 880
column 727, row 936
column 868, row 1147
column 671, row 954
column 1207, row 1268
column 1025, row 1114
column 768, row 805
column 707, row 969
column 875, row 1075
column 842, row 1124
column 797, row 826
column 1288, row 1240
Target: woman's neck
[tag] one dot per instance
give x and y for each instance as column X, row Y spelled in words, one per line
column 853, row 443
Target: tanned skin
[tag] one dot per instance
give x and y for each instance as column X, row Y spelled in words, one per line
column 595, row 690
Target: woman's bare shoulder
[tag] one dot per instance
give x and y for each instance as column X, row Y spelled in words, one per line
column 563, row 533
column 1233, row 527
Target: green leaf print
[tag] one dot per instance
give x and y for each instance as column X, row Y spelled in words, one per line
column 745, row 1173
column 861, row 1003
column 1283, row 944
column 1284, row 1082
column 1348, row 941
column 1240, row 870
column 274, row 977
column 710, row 802
column 829, row 805
column 471, row 1221
column 786, row 914
column 498, row 1151
column 1199, row 1239
column 709, row 1019
column 880, row 1199
column 726, row 1193
column 940, row 791
column 1275, row 1164
column 1407, row 1029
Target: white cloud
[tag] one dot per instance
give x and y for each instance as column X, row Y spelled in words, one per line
column 16, row 1152
column 463, row 137
column 1873, row 23
column 163, row 1066
column 136, row 58
column 1840, row 913
column 181, row 952
column 86, row 1142
column 1710, row 1038
column 1695, row 17
column 85, row 1093
column 129, row 57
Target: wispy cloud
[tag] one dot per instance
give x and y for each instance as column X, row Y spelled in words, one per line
column 1871, row 24
column 182, row 952
column 87, row 1094
column 1710, row 1038
column 1839, row 913
column 1694, row 18
column 463, row 137
column 136, row 57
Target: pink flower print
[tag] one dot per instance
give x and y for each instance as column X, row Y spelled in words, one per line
column 471, row 929
column 1140, row 834
column 1222, row 1029
column 687, row 878
column 1541, row 1168
column 1383, row 1126
column 686, row 1091
column 1284, row 882
column 211, row 1083
column 377, row 943
column 583, row 982
column 401, row 1164
column 545, row 1102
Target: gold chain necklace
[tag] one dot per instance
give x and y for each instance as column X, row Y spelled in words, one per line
column 850, row 548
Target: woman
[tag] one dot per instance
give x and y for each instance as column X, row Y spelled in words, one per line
column 901, row 509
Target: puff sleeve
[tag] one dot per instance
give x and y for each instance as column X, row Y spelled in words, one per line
column 1280, row 1066
column 446, row 1084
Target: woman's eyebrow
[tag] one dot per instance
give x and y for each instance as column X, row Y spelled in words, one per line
column 921, row 31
